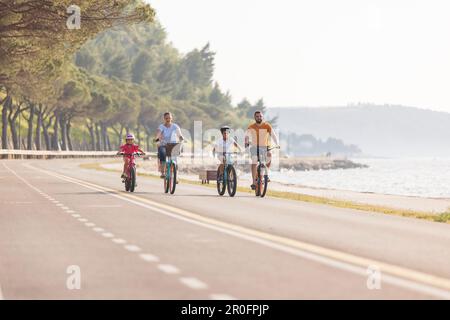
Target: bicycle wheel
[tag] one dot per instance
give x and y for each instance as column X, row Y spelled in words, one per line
column 166, row 179
column 258, row 181
column 127, row 184
column 132, row 179
column 220, row 183
column 173, row 178
column 232, row 181
column 264, row 185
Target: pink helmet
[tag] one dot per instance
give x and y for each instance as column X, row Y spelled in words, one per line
column 130, row 136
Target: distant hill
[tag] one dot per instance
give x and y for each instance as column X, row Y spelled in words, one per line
column 379, row 130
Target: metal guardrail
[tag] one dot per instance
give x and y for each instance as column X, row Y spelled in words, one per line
column 33, row 154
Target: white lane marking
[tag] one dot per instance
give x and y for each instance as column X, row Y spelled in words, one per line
column 89, row 224
column 65, row 208
column 132, row 248
column 168, row 268
column 98, row 229
column 70, row 211
column 83, row 220
column 119, row 241
column 403, row 277
column 108, row 235
column 59, row 205
column 149, row 257
column 193, row 283
column 76, row 215
column 220, row 296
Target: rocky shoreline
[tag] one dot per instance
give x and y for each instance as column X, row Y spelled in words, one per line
column 319, row 163
column 295, row 164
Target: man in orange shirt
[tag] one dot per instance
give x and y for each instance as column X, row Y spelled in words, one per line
column 260, row 134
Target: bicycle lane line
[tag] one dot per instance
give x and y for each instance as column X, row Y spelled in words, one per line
column 399, row 276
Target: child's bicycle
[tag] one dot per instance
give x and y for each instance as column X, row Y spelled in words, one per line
column 130, row 173
column 228, row 178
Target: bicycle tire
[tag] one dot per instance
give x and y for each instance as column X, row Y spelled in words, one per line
column 221, row 186
column 173, row 179
column 258, row 181
column 166, row 180
column 264, row 186
column 232, row 181
column 132, row 179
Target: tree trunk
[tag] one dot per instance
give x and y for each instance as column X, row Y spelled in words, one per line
column 37, row 139
column 6, row 106
column 97, row 138
column 30, row 127
column 12, row 125
column 55, row 137
column 69, row 139
column 91, row 134
column 47, row 139
column 106, row 146
column 138, row 134
column 147, row 141
column 63, row 129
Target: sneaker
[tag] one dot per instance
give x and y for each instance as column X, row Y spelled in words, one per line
column 253, row 187
column 162, row 176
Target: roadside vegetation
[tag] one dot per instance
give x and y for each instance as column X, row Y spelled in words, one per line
column 84, row 89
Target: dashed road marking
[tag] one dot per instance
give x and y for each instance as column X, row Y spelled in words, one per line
column 119, row 241
column 107, row 235
column 132, row 248
column 76, row 215
column 168, row 268
column 193, row 283
column 98, row 229
column 89, row 224
column 149, row 257
column 83, row 220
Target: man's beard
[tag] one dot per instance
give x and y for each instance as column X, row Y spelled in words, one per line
column 258, row 121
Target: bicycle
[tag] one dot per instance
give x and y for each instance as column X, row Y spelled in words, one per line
column 228, row 178
column 170, row 179
column 262, row 176
column 130, row 180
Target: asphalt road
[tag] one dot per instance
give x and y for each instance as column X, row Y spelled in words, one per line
column 61, row 226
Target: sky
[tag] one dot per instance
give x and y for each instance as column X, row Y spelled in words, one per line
column 321, row 52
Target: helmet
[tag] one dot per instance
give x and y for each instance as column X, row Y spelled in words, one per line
column 129, row 136
column 224, row 128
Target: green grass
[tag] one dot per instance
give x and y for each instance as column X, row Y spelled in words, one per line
column 442, row 217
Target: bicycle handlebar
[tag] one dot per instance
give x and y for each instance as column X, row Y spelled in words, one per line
column 130, row 154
